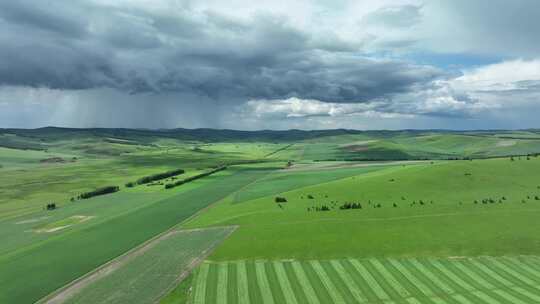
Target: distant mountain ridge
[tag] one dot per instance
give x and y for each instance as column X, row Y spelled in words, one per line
column 208, row 134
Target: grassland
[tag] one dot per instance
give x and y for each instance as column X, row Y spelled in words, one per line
column 482, row 280
column 448, row 223
column 478, row 219
column 31, row 272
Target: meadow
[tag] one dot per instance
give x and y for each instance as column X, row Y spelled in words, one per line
column 438, row 218
column 336, row 216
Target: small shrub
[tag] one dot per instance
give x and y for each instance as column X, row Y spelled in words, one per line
column 279, row 199
column 350, row 206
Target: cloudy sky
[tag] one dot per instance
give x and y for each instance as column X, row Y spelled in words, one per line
column 371, row 64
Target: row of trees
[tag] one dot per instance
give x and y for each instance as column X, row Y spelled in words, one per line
column 527, row 157
column 99, row 191
column 155, row 177
column 192, row 178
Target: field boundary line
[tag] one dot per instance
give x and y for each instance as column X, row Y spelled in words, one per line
column 349, row 281
column 194, row 215
column 389, row 278
column 242, row 286
column 47, row 299
column 508, row 297
column 414, row 280
column 505, row 268
column 304, row 282
column 58, row 296
column 431, row 276
column 221, row 288
column 476, row 277
column 279, row 150
column 284, row 283
column 492, row 274
column 197, row 260
column 370, row 280
column 65, row 292
column 451, row 275
column 262, row 282
column 200, row 284
column 325, row 279
column 359, row 164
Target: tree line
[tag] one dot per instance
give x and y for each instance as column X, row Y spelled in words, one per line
column 99, row 191
column 194, row 177
column 155, row 177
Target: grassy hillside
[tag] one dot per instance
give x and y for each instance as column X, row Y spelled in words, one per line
column 435, row 214
column 375, row 196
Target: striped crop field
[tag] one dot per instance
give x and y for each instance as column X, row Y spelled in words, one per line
column 482, row 280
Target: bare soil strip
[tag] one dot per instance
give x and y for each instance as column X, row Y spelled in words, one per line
column 331, row 165
column 80, row 218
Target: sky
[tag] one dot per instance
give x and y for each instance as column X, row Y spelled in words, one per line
column 281, row 64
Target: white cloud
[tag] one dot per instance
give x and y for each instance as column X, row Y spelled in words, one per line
column 298, row 108
column 504, row 76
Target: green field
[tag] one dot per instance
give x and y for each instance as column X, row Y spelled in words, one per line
column 160, row 267
column 512, row 280
column 33, row 271
column 440, row 216
column 448, row 222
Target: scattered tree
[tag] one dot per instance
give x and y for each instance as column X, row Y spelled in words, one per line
column 279, row 199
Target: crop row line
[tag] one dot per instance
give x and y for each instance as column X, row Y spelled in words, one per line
column 483, row 280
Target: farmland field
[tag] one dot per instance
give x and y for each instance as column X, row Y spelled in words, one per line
column 269, row 152
column 319, row 217
column 159, row 266
column 415, row 280
column 35, row 270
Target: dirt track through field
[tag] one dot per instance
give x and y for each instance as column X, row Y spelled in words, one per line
column 65, row 292
column 73, row 288
column 343, row 165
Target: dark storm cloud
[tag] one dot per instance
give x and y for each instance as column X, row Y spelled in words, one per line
column 54, row 16
column 80, row 45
